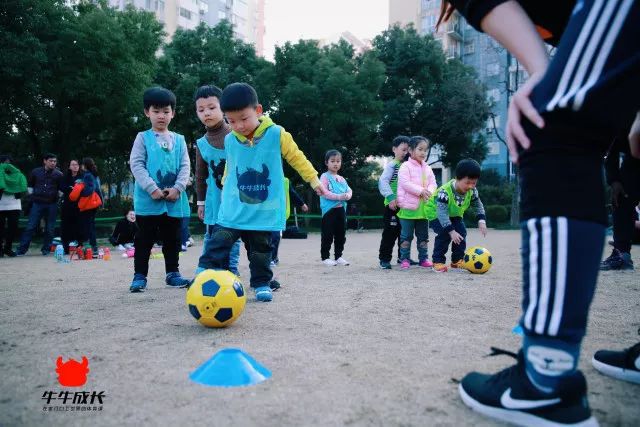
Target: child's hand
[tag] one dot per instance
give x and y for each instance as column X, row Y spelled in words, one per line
column 201, row 213
column 482, row 225
column 305, row 208
column 456, row 237
column 171, row 194
column 157, row 195
column 425, row 194
column 393, row 205
column 320, row 190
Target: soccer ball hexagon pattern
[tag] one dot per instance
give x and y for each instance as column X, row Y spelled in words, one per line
column 477, row 260
column 216, row 298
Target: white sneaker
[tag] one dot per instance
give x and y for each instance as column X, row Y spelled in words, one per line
column 121, row 248
column 128, row 246
column 342, row 261
column 329, row 262
column 190, row 242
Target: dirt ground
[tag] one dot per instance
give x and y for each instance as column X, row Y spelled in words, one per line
column 353, row 345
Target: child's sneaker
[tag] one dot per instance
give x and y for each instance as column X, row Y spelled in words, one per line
column 426, row 264
column 622, row 365
column 457, row 264
column 342, row 261
column 121, row 248
column 509, row 396
column 263, row 293
column 385, row 265
column 329, row 262
column 440, row 267
column 405, row 264
column 139, row 283
column 175, row 280
column 274, row 285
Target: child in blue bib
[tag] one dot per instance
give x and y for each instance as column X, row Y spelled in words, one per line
column 160, row 165
column 253, row 202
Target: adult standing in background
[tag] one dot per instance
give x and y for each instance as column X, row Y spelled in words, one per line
column 44, row 184
column 70, row 214
column 88, row 217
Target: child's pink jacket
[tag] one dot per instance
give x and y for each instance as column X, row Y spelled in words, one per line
column 413, row 177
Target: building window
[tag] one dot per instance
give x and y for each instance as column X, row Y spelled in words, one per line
column 494, row 95
column 493, row 69
column 469, row 48
column 185, row 13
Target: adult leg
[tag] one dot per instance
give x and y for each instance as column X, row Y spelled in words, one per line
column 37, row 210
column 91, row 229
column 3, row 218
column 11, row 232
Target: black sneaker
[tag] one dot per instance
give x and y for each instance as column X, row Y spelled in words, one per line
column 385, row 265
column 274, row 285
column 622, row 365
column 509, row 396
column 617, row 261
column 9, row 253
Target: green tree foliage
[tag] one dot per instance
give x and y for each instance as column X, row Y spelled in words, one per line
column 209, row 55
column 424, row 94
column 328, row 99
column 91, row 64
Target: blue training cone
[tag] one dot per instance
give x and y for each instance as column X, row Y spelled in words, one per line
column 230, row 367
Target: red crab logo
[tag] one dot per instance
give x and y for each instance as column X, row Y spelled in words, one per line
column 72, row 373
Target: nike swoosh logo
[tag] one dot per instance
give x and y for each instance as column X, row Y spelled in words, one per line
column 510, row 403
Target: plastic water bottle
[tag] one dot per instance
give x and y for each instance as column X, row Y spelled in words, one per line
column 59, row 253
column 100, row 252
column 107, row 254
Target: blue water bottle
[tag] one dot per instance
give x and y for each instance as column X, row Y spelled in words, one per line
column 59, row 253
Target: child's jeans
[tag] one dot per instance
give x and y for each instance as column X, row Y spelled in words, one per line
column 216, row 253
column 421, row 229
column 234, row 254
column 442, row 240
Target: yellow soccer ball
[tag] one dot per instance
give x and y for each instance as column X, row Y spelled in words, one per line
column 216, row 298
column 477, row 260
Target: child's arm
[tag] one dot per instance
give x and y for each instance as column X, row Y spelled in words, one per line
column 404, row 182
column 384, row 183
column 349, row 192
column 184, row 172
column 328, row 194
column 442, row 211
column 478, row 207
column 432, row 185
column 138, row 165
column 202, row 173
column 298, row 161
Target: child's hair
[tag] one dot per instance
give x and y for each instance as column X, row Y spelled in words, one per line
column 468, row 168
column 47, row 156
column 400, row 139
column 413, row 142
column 238, row 96
column 206, row 91
column 90, row 165
column 331, row 153
column 158, row 97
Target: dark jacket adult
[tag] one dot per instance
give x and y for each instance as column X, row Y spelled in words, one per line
column 45, row 184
